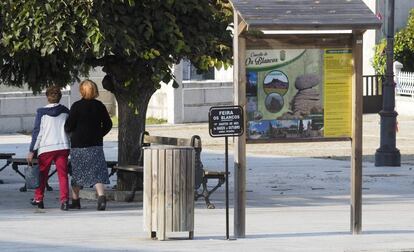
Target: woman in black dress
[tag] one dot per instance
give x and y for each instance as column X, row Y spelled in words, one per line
column 88, row 123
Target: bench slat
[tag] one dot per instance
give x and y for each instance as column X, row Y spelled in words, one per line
column 6, row 155
column 132, row 168
column 214, row 173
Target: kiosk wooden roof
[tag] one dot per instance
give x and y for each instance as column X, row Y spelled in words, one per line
column 306, row 14
column 347, row 20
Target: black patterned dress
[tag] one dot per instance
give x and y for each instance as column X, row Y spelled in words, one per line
column 88, row 166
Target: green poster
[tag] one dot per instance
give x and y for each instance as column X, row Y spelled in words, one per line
column 298, row 93
column 285, row 93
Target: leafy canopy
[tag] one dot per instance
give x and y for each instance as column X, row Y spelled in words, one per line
column 403, row 48
column 46, row 42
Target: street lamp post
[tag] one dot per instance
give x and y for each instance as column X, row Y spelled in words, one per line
column 387, row 154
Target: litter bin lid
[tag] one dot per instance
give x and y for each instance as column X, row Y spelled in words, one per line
column 168, row 147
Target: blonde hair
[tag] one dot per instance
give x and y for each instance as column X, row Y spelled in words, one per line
column 53, row 94
column 88, row 90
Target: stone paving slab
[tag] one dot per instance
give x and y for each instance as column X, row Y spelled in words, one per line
column 293, row 204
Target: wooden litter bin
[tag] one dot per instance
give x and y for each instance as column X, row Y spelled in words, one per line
column 168, row 190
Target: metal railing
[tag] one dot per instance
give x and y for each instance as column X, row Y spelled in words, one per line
column 372, row 85
column 405, row 83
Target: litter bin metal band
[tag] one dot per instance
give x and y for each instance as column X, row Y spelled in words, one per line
column 168, row 190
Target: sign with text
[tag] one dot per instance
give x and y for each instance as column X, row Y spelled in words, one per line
column 298, row 93
column 225, row 121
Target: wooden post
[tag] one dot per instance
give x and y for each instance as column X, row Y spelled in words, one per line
column 356, row 157
column 239, row 80
column 160, row 183
column 177, row 184
column 169, row 191
column 147, row 204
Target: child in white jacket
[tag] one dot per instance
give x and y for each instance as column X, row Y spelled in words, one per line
column 51, row 143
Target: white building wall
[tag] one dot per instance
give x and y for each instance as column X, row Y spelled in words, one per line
column 191, row 101
column 18, row 105
column 199, row 97
column 369, row 44
column 401, row 14
column 157, row 107
column 224, row 75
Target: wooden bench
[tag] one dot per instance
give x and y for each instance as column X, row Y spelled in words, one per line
column 7, row 157
column 16, row 162
column 135, row 170
column 202, row 177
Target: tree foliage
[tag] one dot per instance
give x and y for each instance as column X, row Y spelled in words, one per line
column 136, row 42
column 403, row 48
column 41, row 42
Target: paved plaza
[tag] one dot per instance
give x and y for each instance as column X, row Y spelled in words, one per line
column 298, row 199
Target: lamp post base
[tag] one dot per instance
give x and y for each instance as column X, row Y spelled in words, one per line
column 387, row 157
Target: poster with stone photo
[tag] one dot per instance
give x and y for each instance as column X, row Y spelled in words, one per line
column 290, row 93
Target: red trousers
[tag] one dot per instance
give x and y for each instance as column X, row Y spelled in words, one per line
column 60, row 157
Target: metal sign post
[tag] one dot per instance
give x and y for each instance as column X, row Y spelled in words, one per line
column 225, row 121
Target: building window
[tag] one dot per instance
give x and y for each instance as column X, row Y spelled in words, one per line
column 190, row 72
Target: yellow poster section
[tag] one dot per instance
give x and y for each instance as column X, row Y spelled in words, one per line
column 338, row 71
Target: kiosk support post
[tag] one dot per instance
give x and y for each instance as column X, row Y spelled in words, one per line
column 240, row 142
column 356, row 156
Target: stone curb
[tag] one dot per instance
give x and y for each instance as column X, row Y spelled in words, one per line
column 111, row 194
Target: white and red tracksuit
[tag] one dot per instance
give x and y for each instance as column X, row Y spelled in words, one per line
column 52, row 144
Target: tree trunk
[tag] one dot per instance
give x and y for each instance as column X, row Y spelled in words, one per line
column 131, row 121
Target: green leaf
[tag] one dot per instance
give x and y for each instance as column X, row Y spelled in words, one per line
column 48, row 8
column 50, row 50
column 43, row 51
column 131, row 2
